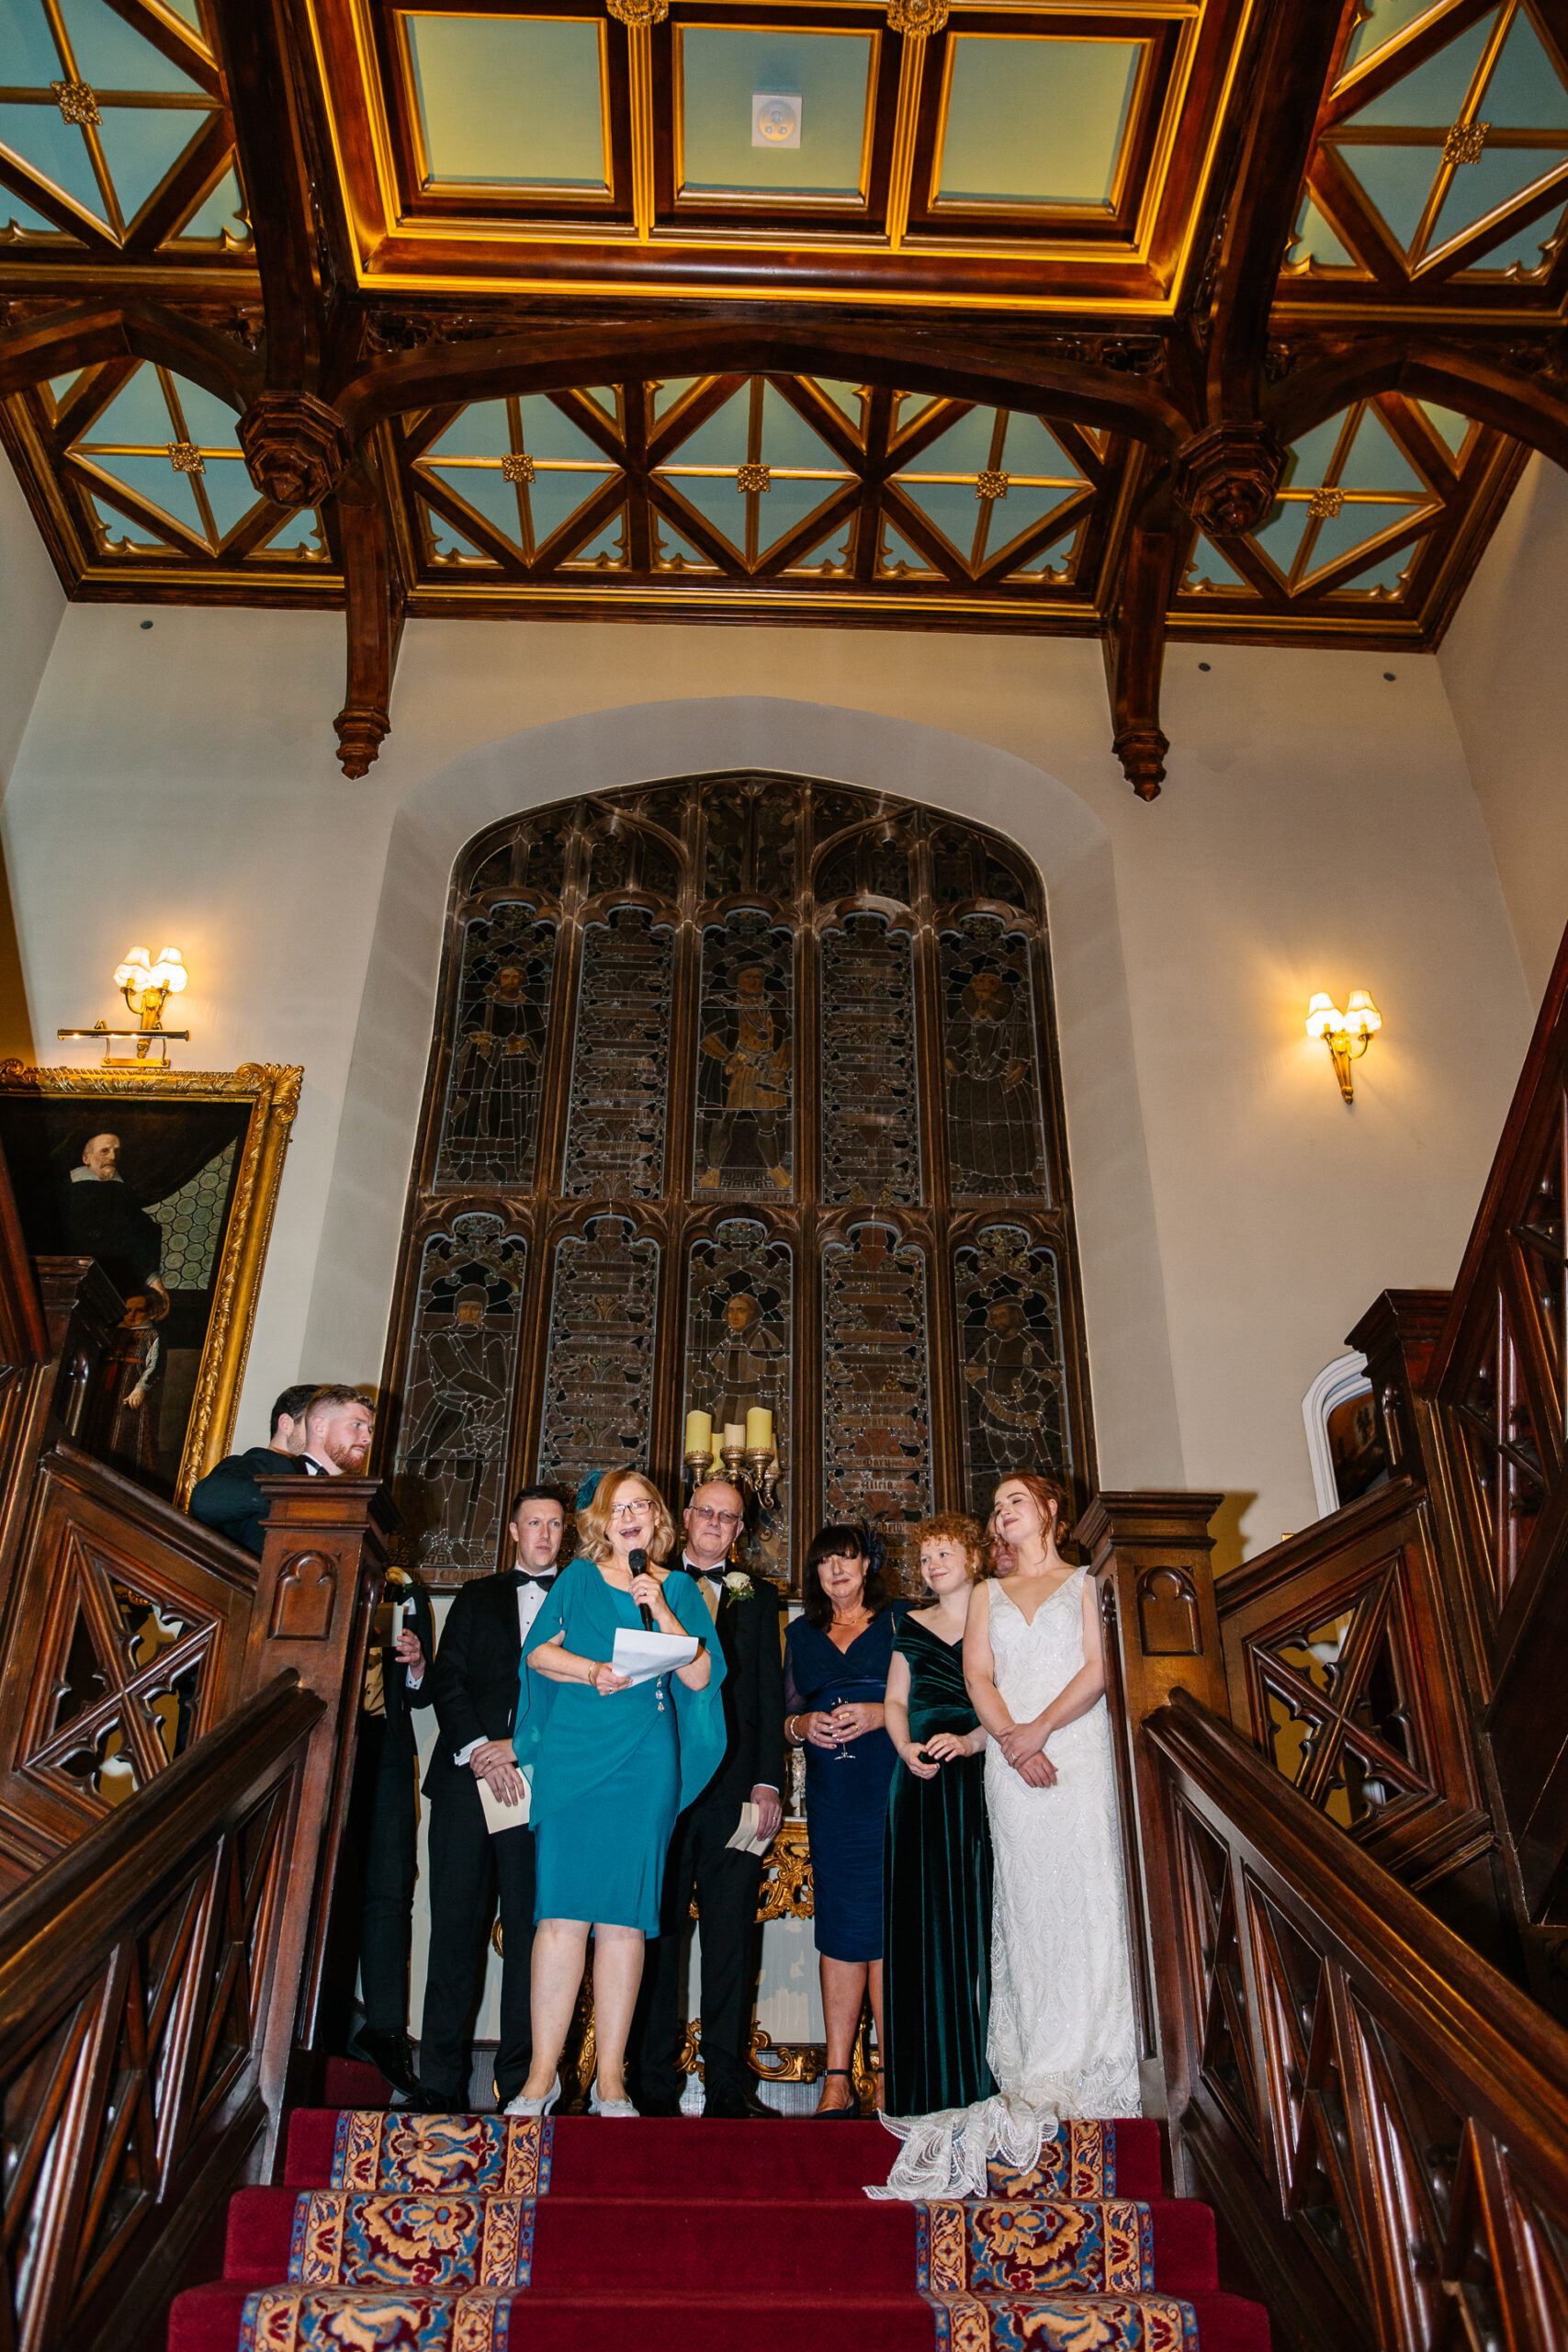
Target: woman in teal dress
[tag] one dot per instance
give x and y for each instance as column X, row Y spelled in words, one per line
column 937, row 1874
column 609, row 1764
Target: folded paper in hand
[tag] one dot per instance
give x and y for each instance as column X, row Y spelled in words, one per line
column 503, row 1816
column 747, row 1838
column 640, row 1656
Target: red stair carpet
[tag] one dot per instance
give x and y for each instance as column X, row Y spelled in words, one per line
column 468, row 2234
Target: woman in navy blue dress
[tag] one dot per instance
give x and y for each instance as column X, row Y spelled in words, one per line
column 837, row 1653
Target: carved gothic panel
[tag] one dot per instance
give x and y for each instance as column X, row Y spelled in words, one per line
column 745, row 1063
column 875, row 1378
column 996, row 1148
column 869, row 1093
column 531, row 858
column 1009, row 1338
column 622, row 857
column 738, row 1334
column 620, row 1065
column 871, row 864
column 965, row 864
column 490, row 1130
column 452, row 1449
column 599, row 1367
column 749, row 840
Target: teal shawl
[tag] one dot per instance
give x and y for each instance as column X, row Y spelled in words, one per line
column 568, row 1738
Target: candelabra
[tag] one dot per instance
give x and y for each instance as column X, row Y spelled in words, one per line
column 753, row 1469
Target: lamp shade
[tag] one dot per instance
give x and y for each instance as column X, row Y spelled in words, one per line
column 1323, row 1016
column 1362, row 1017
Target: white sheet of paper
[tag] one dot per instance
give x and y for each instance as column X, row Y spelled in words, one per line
column 503, row 1816
column 640, row 1656
column 747, row 1839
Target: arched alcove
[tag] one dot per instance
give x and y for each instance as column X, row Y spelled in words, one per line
column 1124, row 1320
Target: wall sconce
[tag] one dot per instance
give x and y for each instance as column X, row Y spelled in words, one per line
column 1346, row 1035
column 146, row 987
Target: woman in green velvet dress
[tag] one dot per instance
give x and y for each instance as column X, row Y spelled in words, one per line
column 937, row 1870
column 609, row 1765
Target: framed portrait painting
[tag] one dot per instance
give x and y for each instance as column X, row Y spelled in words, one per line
column 169, row 1180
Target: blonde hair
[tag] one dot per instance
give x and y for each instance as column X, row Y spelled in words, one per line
column 593, row 1525
column 955, row 1527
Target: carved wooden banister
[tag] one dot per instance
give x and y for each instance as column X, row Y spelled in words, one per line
column 1149, row 1554
column 147, row 1998
column 1380, row 2116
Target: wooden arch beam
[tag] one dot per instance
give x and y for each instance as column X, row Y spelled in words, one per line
column 89, row 333
column 1534, row 409
column 544, row 361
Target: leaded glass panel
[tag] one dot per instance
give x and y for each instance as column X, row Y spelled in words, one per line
column 740, row 1308
column 490, row 1133
column 620, row 1063
column 1009, row 1338
column 870, row 1091
column 995, row 1146
column 599, row 1365
column 745, row 1063
column 875, row 1377
column 462, row 1373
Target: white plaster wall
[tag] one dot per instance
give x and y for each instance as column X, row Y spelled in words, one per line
column 1502, row 663
column 1318, row 829
column 32, row 601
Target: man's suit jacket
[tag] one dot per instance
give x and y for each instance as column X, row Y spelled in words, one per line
column 229, row 1499
column 395, row 1689
column 753, row 1696
column 474, row 1682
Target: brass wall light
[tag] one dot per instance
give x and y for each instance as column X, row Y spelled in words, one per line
column 1346, row 1035
column 146, row 987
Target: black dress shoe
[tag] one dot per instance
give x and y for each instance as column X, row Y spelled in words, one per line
column 664, row 2106
column 426, row 2101
column 391, row 2054
column 739, row 2106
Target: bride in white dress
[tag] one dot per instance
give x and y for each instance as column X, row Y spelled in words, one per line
column 1062, row 2040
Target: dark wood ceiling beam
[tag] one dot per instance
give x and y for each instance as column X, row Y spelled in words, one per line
column 376, row 599
column 1134, row 651
column 1468, row 378
column 903, row 359
column 89, row 333
column 255, row 41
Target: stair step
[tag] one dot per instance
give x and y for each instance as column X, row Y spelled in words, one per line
column 618, row 2319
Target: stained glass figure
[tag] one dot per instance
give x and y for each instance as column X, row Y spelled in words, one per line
column 599, row 1365
column 995, row 1144
column 457, row 1398
column 490, row 1129
column 875, row 1377
column 620, row 1063
column 871, row 1140
column 745, row 1075
column 1009, row 1337
column 739, row 1308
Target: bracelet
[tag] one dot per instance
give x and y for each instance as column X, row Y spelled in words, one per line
column 794, row 1736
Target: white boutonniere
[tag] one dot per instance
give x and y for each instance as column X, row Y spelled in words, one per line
column 739, row 1584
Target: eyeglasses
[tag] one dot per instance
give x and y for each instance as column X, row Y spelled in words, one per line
column 629, row 1511
column 715, row 1518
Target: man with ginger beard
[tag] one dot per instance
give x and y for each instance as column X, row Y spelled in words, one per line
column 745, row 1611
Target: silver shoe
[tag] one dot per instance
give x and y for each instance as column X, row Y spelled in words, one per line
column 597, row 2106
column 524, row 2106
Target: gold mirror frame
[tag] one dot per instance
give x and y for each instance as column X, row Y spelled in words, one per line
column 272, row 1089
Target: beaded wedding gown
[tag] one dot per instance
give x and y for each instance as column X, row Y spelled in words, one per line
column 1062, row 2036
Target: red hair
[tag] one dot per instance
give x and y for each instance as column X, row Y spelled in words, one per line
column 1043, row 1491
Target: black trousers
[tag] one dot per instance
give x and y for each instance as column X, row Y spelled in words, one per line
column 468, row 1870
column 372, row 1923
column 725, row 1885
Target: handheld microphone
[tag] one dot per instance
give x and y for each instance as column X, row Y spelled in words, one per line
column 638, row 1561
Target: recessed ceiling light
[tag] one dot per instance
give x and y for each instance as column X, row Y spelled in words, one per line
column 775, row 118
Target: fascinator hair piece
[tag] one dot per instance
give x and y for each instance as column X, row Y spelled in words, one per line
column 874, row 1547
column 588, row 1489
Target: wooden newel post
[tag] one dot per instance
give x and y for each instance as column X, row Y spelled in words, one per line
column 1149, row 1554
column 316, row 1596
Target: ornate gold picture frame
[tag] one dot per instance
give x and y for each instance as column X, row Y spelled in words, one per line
column 199, row 1155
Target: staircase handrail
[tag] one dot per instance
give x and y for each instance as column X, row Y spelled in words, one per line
column 148, row 1988
column 1376, row 2111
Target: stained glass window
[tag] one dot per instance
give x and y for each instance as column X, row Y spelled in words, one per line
column 742, row 1097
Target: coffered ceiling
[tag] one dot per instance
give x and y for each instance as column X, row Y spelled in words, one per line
column 1195, row 316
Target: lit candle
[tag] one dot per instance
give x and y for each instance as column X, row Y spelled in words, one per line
column 759, row 1430
column 733, row 1438
column 699, row 1432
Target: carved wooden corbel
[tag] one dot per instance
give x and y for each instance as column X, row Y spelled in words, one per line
column 297, row 447
column 374, row 598
column 1135, row 657
column 1226, row 476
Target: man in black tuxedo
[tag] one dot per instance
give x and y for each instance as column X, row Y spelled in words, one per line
column 475, row 1686
column 746, row 1615
column 229, row 1498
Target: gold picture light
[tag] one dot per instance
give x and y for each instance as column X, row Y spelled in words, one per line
column 146, row 987
column 1346, row 1035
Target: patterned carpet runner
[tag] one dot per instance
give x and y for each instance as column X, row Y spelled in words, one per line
column 470, row 2234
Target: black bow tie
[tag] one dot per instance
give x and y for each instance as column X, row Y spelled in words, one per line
column 543, row 1577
